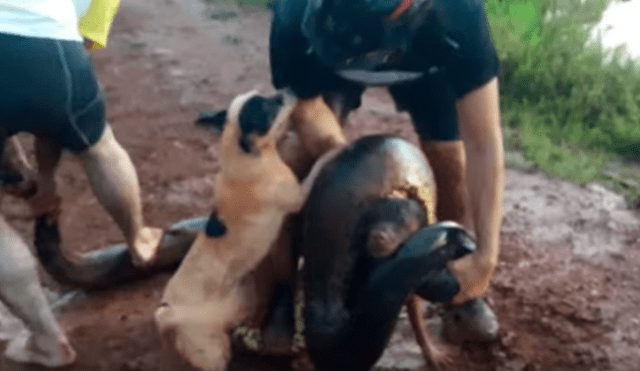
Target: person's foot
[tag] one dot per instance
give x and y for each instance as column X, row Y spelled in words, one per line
column 437, row 357
column 145, row 247
column 474, row 321
column 48, row 351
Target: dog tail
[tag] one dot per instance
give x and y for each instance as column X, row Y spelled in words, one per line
column 214, row 120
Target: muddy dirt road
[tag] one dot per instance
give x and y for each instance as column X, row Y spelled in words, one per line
column 567, row 290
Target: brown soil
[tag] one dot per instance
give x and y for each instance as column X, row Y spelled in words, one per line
column 566, row 291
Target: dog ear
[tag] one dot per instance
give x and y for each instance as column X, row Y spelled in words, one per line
column 214, row 120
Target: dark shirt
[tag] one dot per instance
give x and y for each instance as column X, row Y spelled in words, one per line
column 454, row 37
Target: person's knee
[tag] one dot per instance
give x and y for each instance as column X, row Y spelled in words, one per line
column 16, row 261
column 451, row 152
column 107, row 148
column 448, row 163
column 105, row 141
column 440, row 128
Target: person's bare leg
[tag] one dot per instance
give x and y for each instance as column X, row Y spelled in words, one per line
column 448, row 162
column 21, row 291
column 434, row 353
column 476, row 321
column 114, row 181
column 19, row 178
column 316, row 131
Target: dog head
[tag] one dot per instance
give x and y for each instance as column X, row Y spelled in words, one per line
column 253, row 121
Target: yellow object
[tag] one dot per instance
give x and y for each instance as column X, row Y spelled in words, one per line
column 96, row 24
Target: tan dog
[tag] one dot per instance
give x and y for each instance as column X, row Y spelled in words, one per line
column 216, row 289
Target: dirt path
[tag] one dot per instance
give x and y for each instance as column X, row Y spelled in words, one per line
column 566, row 291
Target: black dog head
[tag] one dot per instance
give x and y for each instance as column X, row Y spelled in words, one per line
column 256, row 117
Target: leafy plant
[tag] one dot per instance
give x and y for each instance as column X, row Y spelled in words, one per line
column 565, row 106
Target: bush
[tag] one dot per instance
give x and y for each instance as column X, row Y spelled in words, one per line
column 557, row 93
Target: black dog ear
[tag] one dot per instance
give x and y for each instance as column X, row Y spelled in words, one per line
column 257, row 117
column 214, row 120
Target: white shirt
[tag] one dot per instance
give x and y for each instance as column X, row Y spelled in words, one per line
column 81, row 7
column 52, row 19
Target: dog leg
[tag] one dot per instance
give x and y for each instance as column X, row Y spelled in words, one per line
column 434, row 355
column 270, row 284
column 197, row 332
column 197, row 347
column 170, row 358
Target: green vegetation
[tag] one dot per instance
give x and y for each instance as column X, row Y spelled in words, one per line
column 566, row 109
column 263, row 3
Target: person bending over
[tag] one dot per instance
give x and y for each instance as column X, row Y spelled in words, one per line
column 439, row 63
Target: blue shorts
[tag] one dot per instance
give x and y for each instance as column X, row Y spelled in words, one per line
column 49, row 88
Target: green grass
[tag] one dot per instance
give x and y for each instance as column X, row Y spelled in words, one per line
column 568, row 111
column 262, row 3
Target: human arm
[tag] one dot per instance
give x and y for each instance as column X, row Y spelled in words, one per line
column 479, row 115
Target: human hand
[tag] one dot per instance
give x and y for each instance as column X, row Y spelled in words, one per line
column 474, row 275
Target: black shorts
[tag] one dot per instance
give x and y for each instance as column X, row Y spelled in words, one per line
column 49, row 88
column 430, row 100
